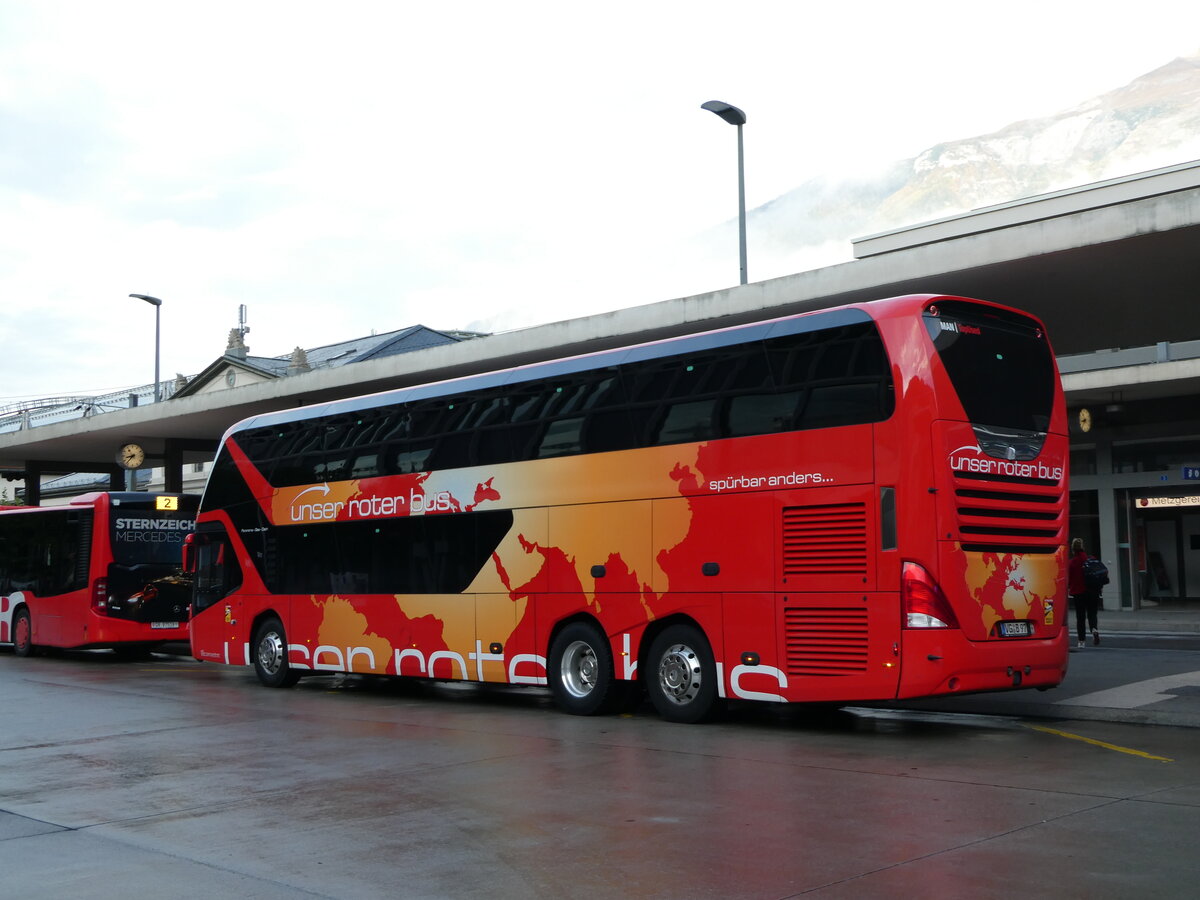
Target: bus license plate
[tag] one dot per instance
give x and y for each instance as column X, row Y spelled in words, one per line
column 164, row 624
column 1015, row 629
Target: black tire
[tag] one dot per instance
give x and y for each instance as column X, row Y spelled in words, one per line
column 22, row 632
column 269, row 652
column 580, row 671
column 681, row 675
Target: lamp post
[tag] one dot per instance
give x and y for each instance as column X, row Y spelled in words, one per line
column 735, row 116
column 157, row 304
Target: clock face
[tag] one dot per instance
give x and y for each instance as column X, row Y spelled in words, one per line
column 131, row 456
column 1085, row 420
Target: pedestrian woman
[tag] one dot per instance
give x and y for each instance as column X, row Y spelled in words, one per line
column 1085, row 598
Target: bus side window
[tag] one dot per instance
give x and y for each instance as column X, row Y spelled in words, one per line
column 62, row 553
column 410, row 458
column 20, row 572
column 763, row 413
column 561, row 438
column 691, row 420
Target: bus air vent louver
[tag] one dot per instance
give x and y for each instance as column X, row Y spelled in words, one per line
column 825, row 540
column 825, row 641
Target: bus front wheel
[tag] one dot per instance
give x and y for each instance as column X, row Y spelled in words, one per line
column 22, row 632
column 682, row 676
column 580, row 671
column 270, row 655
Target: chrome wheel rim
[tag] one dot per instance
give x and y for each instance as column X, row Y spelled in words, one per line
column 270, row 653
column 579, row 669
column 679, row 674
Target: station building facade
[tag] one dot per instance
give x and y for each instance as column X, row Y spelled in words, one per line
column 1135, row 470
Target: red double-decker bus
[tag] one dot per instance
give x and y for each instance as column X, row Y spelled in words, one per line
column 103, row 571
column 860, row 503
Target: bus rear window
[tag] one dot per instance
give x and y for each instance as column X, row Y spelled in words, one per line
column 999, row 362
column 141, row 536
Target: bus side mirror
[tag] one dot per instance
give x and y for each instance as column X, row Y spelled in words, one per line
column 189, row 553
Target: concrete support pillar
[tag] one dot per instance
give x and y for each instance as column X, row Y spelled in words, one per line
column 1110, row 551
column 172, row 467
column 33, row 484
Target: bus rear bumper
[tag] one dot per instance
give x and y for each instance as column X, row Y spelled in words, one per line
column 103, row 631
column 942, row 661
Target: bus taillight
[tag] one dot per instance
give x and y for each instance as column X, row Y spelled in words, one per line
column 925, row 605
column 100, row 596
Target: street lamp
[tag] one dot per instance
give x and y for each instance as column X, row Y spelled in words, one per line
column 157, row 304
column 735, row 116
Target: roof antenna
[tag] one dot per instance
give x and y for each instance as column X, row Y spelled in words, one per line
column 243, row 328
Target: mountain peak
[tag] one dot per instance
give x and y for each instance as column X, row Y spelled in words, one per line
column 1153, row 121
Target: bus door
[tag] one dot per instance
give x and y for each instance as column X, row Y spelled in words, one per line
column 210, row 556
column 56, row 558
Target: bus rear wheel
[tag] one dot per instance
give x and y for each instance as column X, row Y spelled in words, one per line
column 682, row 676
column 580, row 671
column 22, row 632
column 270, row 655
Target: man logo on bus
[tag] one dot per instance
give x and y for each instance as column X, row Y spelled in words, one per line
column 959, row 327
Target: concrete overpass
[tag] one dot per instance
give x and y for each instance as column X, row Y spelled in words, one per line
column 1109, row 265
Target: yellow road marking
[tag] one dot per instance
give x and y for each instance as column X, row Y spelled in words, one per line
column 1104, row 744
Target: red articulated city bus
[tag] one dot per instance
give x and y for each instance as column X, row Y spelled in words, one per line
column 103, row 571
column 856, row 504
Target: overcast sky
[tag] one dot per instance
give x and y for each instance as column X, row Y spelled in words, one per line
column 365, row 166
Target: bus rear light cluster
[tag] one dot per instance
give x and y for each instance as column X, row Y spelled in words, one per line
column 924, row 603
column 100, row 596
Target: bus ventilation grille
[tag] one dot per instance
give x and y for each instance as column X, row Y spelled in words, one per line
column 1007, row 519
column 825, row 540
column 825, row 641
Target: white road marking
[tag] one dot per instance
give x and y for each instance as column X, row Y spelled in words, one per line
column 1140, row 693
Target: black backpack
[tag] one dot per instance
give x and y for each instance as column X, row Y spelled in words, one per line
column 1095, row 573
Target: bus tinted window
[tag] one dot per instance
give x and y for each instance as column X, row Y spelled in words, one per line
column 1000, row 364
column 145, row 536
column 762, row 413
column 46, row 553
column 217, row 571
column 688, row 421
column 562, row 437
column 435, row 554
column 814, row 379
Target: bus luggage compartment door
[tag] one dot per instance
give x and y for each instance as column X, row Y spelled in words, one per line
column 840, row 647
